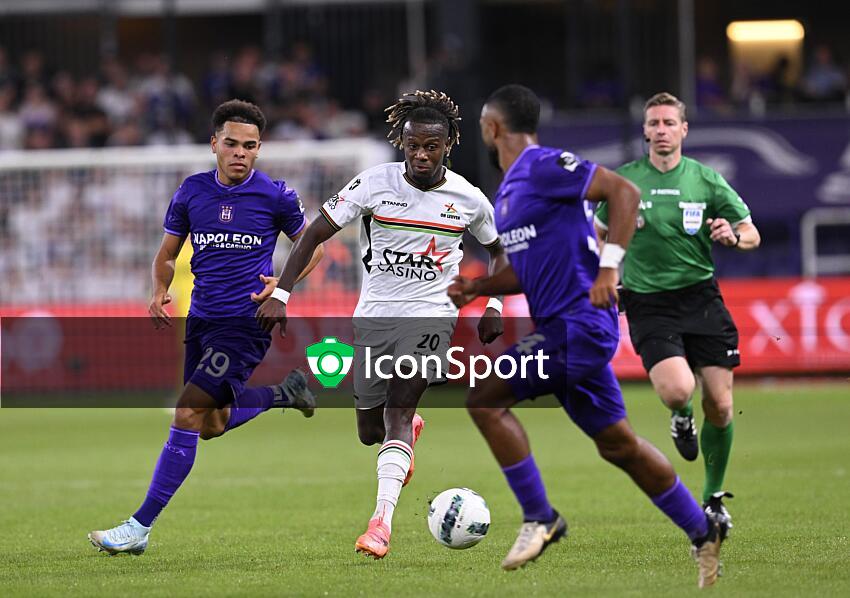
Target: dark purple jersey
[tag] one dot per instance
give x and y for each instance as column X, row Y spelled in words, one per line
column 546, row 227
column 233, row 231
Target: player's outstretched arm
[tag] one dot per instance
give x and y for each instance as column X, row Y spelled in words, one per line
column 490, row 326
column 270, row 282
column 318, row 254
column 162, row 273
column 273, row 310
column 623, row 198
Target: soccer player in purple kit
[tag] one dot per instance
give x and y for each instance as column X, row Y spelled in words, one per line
column 545, row 225
column 234, row 215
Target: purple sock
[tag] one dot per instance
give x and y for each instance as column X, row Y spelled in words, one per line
column 251, row 403
column 679, row 505
column 175, row 463
column 524, row 479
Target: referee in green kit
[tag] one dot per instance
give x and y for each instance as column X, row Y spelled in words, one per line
column 678, row 322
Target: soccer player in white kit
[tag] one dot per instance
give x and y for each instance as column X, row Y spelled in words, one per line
column 413, row 216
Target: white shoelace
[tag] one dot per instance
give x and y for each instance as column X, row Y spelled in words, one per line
column 682, row 423
column 123, row 533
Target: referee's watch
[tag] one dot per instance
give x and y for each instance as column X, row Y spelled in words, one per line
column 737, row 238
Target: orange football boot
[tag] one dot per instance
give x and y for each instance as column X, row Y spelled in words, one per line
column 418, row 423
column 376, row 541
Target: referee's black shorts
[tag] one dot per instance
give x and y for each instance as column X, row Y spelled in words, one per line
column 691, row 322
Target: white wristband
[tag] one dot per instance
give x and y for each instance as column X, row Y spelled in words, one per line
column 612, row 255
column 495, row 304
column 281, row 295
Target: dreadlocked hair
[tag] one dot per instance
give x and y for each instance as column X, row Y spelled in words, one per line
column 425, row 107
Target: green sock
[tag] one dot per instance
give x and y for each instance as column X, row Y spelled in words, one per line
column 716, row 445
column 686, row 411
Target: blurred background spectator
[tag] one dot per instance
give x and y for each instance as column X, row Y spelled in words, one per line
column 144, row 102
column 327, row 70
column 711, row 93
column 103, row 75
column 824, row 80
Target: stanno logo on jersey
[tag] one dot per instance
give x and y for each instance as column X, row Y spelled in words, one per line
column 225, row 213
column 517, row 239
column 664, row 192
column 392, row 202
column 354, row 185
column 450, row 212
column 419, row 265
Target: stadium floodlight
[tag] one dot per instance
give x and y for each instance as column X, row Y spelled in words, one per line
column 788, row 30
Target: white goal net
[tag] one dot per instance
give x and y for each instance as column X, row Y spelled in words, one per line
column 80, row 227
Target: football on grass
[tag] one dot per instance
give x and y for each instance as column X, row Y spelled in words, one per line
column 458, row 518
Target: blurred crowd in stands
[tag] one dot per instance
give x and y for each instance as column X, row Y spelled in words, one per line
column 738, row 88
column 89, row 233
column 823, row 79
column 146, row 103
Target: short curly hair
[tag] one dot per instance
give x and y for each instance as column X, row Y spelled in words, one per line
column 238, row 111
column 425, row 107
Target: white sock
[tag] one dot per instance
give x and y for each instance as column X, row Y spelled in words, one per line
column 393, row 464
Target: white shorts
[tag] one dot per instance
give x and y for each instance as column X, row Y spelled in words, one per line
column 416, row 337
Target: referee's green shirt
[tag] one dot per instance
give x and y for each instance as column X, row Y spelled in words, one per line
column 671, row 248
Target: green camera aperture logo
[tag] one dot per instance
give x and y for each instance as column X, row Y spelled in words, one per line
column 330, row 360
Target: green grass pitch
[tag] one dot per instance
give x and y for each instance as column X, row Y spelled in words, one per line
column 273, row 508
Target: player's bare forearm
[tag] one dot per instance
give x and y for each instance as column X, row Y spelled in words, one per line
column 490, row 326
column 498, row 260
column 503, row 282
column 306, row 249
column 270, row 282
column 623, row 199
column 318, row 254
column 750, row 236
column 164, row 262
column 162, row 274
column 305, row 254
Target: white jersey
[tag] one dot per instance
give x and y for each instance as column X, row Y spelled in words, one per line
column 410, row 239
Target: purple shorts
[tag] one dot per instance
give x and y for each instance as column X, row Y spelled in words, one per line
column 221, row 355
column 578, row 369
